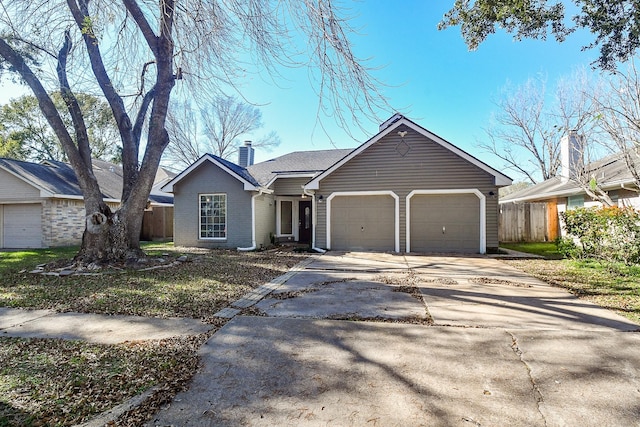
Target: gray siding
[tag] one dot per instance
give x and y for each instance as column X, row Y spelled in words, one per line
column 209, row 179
column 14, row 189
column 289, row 186
column 265, row 219
column 426, row 166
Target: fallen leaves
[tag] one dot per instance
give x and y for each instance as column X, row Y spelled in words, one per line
column 58, row 382
column 55, row 382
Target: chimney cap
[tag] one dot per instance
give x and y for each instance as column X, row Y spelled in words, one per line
column 248, row 143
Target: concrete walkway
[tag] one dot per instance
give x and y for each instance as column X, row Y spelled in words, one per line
column 96, row 328
column 504, row 349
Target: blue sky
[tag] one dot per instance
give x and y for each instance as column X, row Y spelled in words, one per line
column 430, row 75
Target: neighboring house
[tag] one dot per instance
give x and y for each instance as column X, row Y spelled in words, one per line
column 562, row 192
column 41, row 204
column 404, row 190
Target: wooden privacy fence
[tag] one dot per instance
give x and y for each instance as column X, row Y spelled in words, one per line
column 157, row 223
column 528, row 222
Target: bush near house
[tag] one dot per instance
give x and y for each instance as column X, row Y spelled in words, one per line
column 610, row 234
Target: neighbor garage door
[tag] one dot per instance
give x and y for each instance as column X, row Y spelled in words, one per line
column 21, row 226
column 363, row 223
column 445, row 223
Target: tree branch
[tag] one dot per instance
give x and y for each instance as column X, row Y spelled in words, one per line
column 82, row 138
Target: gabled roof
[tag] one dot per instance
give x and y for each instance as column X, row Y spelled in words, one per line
column 610, row 172
column 57, row 179
column 261, row 175
column 389, row 126
column 232, row 169
column 299, row 163
column 49, row 179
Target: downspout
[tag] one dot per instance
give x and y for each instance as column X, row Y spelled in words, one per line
column 314, row 215
column 253, row 224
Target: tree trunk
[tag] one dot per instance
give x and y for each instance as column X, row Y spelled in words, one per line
column 110, row 237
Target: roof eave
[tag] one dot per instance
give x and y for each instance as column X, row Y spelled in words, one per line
column 289, row 175
column 567, row 192
column 168, row 188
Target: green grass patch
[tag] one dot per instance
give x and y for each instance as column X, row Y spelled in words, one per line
column 27, row 259
column 613, row 286
column 548, row 250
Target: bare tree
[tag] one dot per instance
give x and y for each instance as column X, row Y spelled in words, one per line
column 529, row 125
column 134, row 52
column 619, row 116
column 223, row 121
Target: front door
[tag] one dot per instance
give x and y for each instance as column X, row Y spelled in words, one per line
column 304, row 221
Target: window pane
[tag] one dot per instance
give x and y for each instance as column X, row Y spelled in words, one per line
column 213, row 216
column 575, row 202
column 286, row 217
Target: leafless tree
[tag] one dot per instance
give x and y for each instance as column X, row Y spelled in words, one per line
column 224, row 121
column 134, row 52
column 619, row 116
column 529, row 124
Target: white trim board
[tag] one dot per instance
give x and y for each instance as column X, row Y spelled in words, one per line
column 366, row 193
column 483, row 213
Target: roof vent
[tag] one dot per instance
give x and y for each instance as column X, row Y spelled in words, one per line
column 391, row 120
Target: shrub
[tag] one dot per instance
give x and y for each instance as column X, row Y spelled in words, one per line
column 610, row 233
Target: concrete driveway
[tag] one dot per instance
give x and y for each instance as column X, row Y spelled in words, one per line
column 455, row 341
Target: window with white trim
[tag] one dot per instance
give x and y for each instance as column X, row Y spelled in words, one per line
column 286, row 217
column 213, row 216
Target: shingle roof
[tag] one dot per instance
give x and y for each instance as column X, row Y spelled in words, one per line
column 59, row 178
column 239, row 170
column 302, row 162
column 610, row 172
column 55, row 179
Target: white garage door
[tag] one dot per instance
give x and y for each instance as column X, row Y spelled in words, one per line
column 445, row 223
column 21, row 226
column 363, row 223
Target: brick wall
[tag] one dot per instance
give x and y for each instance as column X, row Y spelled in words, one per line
column 63, row 221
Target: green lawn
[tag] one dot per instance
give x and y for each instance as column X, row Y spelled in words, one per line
column 548, row 250
column 27, row 259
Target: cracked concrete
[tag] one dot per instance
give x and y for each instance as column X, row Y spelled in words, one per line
column 516, row 352
column 537, row 395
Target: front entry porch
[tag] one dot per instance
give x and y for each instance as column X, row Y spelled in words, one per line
column 294, row 219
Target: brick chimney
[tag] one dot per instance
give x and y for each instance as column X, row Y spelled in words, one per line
column 245, row 157
column 572, row 155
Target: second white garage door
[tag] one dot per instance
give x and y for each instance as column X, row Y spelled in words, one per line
column 363, row 223
column 22, row 226
column 445, row 223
